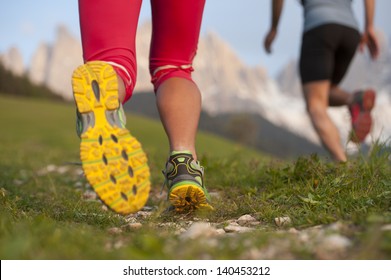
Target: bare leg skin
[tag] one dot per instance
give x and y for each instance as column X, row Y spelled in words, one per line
column 317, row 100
column 339, row 97
column 179, row 104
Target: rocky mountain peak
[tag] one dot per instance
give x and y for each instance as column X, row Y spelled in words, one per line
column 13, row 61
column 226, row 83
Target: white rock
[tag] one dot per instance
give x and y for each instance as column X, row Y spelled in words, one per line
column 39, row 63
column 293, row 230
column 237, row 229
column 90, row 195
column 199, row 229
column 65, row 55
column 135, row 225
column 220, row 231
column 62, row 169
column 386, row 227
column 337, row 241
column 114, row 230
column 118, row 244
column 169, row 225
column 332, row 246
column 180, row 231
column 12, row 60
column 143, row 214
column 246, row 219
column 337, row 226
column 47, row 169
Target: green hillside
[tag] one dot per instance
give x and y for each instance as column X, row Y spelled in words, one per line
column 37, row 133
column 47, row 211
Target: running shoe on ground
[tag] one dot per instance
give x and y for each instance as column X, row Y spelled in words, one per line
column 184, row 178
column 112, row 159
column 360, row 111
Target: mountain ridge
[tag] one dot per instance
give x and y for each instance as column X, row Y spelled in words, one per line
column 228, row 85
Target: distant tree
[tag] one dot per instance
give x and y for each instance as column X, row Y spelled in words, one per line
column 21, row 86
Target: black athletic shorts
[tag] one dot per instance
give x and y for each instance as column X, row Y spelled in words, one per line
column 326, row 52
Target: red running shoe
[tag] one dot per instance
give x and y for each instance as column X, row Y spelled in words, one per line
column 360, row 111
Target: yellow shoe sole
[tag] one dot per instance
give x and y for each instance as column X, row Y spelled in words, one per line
column 112, row 159
column 188, row 198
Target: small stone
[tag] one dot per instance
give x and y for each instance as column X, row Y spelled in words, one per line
column 130, row 219
column 114, row 230
column 337, row 226
column 180, row 231
column 135, row 226
column 246, row 219
column 199, row 229
column 236, row 229
column 282, row 221
column 51, row 168
column 118, row 244
column 304, row 236
column 293, row 230
column 253, row 254
column 143, row 214
column 333, row 246
column 90, row 195
column 62, row 169
column 169, row 225
column 46, row 170
column 386, row 227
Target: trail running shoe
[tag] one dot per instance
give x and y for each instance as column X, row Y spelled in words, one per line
column 360, row 111
column 184, row 178
column 112, row 159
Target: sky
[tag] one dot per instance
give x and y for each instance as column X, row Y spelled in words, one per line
column 241, row 23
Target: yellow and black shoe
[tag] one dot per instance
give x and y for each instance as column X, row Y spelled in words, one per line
column 113, row 161
column 184, row 178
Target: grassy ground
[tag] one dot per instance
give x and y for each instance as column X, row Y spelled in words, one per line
column 45, row 212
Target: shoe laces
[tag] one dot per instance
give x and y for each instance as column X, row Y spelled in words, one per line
column 165, row 171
